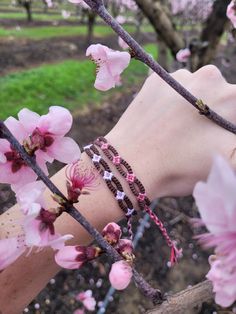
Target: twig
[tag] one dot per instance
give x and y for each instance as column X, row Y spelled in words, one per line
column 188, row 301
column 139, row 231
column 154, row 294
column 140, row 54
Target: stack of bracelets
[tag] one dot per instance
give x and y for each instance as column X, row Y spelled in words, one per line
column 117, row 190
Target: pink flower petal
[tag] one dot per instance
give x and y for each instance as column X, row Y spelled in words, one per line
column 65, row 150
column 66, row 257
column 216, row 199
column 28, row 119
column 120, row 275
column 16, row 128
column 58, row 121
column 110, row 64
column 9, row 251
column 231, row 13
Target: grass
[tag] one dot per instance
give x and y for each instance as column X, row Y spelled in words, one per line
column 69, row 83
column 36, row 16
column 43, row 32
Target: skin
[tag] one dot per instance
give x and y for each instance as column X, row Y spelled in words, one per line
column 170, row 147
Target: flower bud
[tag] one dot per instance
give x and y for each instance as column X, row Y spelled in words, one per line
column 120, row 275
column 111, row 233
column 73, row 257
column 125, row 248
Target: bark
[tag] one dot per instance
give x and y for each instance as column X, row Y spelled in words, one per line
column 91, row 24
column 162, row 54
column 211, row 35
column 159, row 16
column 27, row 5
column 188, row 301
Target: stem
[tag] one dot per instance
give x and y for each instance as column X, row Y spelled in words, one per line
column 144, row 287
column 141, row 55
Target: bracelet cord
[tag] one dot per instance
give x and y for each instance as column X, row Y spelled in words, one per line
column 138, row 190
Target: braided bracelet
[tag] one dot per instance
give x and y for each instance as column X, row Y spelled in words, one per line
column 137, row 189
column 113, row 184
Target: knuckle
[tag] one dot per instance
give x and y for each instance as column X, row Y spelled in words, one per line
column 209, row 72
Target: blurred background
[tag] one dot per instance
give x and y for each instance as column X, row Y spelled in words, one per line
column 43, row 63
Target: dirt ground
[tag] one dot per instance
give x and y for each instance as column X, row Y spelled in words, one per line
column 30, row 53
column 152, row 254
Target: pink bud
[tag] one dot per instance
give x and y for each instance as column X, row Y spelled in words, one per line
column 125, row 246
column 112, row 233
column 120, row 275
column 183, row 55
column 73, row 257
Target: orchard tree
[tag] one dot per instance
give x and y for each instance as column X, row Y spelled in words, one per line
column 203, row 48
column 27, row 5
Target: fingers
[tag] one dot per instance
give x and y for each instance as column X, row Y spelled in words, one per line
column 209, row 72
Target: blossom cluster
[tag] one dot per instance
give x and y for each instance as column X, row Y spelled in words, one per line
column 74, row 257
column 42, row 137
column 216, row 200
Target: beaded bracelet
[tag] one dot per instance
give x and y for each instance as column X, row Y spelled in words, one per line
column 113, row 184
column 137, row 189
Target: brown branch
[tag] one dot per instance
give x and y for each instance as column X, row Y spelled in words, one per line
column 188, row 301
column 159, row 16
column 140, row 54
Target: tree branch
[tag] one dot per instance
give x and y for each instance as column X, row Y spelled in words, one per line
column 153, row 294
column 188, row 301
column 141, row 55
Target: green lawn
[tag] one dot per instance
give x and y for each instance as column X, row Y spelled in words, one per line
column 69, row 83
column 36, row 16
column 59, row 31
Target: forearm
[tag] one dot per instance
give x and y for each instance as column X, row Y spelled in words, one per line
column 25, row 278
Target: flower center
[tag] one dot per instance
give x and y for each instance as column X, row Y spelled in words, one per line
column 47, row 219
column 38, row 140
column 16, row 161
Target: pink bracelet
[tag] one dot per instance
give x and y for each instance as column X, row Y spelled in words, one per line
column 138, row 190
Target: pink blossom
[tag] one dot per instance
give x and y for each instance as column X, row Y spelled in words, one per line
column 183, row 55
column 120, row 275
column 73, row 257
column 42, row 136
column 76, row 1
column 122, row 43
column 216, row 200
column 112, row 233
column 223, row 276
column 125, row 247
column 231, row 12
column 79, row 311
column 10, row 250
column 79, row 179
column 65, row 14
column 120, row 19
column 38, row 222
column 47, row 135
column 13, row 169
column 110, row 64
column 87, row 299
column 49, row 3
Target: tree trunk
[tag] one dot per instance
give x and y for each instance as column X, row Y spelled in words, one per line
column 91, row 23
column 159, row 16
column 27, row 5
column 188, row 301
column 162, row 54
column 211, row 35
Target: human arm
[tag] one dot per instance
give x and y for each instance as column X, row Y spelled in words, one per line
column 169, row 146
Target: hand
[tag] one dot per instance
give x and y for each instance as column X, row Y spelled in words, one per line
column 167, row 142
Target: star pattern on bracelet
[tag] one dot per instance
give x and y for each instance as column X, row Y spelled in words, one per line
column 96, row 158
column 120, row 195
column 107, row 175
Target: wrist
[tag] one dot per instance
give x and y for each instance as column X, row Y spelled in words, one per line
column 149, row 169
